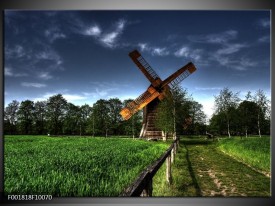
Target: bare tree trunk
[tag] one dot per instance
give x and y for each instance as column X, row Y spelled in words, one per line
column 174, row 133
column 246, row 132
column 228, row 129
column 80, row 130
column 133, row 128
column 164, row 135
column 259, row 129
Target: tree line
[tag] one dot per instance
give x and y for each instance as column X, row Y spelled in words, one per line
column 56, row 116
column 234, row 116
column 178, row 112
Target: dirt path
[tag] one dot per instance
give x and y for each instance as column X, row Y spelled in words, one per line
column 214, row 173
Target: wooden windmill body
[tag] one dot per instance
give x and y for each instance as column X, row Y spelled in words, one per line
column 149, row 100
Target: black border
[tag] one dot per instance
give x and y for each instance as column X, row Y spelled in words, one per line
column 136, row 5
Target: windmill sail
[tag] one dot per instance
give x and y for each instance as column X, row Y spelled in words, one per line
column 140, row 102
column 179, row 75
column 145, row 68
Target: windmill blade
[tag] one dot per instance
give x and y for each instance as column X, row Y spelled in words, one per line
column 149, row 95
column 145, row 68
column 179, row 75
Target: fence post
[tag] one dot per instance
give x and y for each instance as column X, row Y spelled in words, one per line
column 168, row 169
column 172, row 155
column 175, row 147
column 148, row 190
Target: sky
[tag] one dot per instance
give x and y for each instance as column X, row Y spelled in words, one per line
column 83, row 55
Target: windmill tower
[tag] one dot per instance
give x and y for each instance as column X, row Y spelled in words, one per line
column 149, row 100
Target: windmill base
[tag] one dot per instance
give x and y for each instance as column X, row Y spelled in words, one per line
column 149, row 129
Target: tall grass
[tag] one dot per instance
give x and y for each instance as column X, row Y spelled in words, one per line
column 75, row 166
column 254, row 151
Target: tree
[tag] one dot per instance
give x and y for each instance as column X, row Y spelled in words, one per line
column 182, row 109
column 247, row 116
column 10, row 117
column 72, row 119
column 101, row 117
column 165, row 116
column 56, row 109
column 174, row 112
column 85, row 113
column 263, row 106
column 25, row 116
column 218, row 124
column 115, row 106
column 225, row 102
column 39, row 117
column 198, row 117
column 133, row 125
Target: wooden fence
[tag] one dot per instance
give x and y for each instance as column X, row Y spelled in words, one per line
column 143, row 185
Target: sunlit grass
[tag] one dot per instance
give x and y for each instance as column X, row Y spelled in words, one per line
column 75, row 166
column 254, row 151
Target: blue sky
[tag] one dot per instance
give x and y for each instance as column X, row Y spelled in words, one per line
column 84, row 54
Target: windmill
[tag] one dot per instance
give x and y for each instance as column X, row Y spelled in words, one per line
column 149, row 100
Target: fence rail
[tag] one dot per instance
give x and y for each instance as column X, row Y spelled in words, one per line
column 143, row 185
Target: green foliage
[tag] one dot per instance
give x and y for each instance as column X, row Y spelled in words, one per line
column 178, row 108
column 40, row 117
column 25, row 116
column 226, row 102
column 250, row 116
column 75, row 166
column 56, row 109
column 10, row 117
column 165, row 115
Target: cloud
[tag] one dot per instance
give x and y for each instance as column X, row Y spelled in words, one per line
column 68, row 97
column 265, row 23
column 30, row 84
column 182, row 52
column 92, row 31
column 230, row 49
column 219, row 38
column 187, row 52
column 53, row 34
column 15, row 52
column 48, row 56
column 264, row 39
column 45, row 75
column 244, row 64
column 160, row 51
column 143, row 46
column 153, row 50
column 73, row 97
column 110, row 39
column 9, row 73
column 107, row 37
column 207, row 88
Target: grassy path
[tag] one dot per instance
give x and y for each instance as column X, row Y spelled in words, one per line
column 202, row 170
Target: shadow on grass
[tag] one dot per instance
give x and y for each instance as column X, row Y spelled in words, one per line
column 197, row 141
column 190, row 168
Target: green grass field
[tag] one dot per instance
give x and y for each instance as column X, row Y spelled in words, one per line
column 202, row 169
column 253, row 151
column 79, row 166
column 75, row 166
